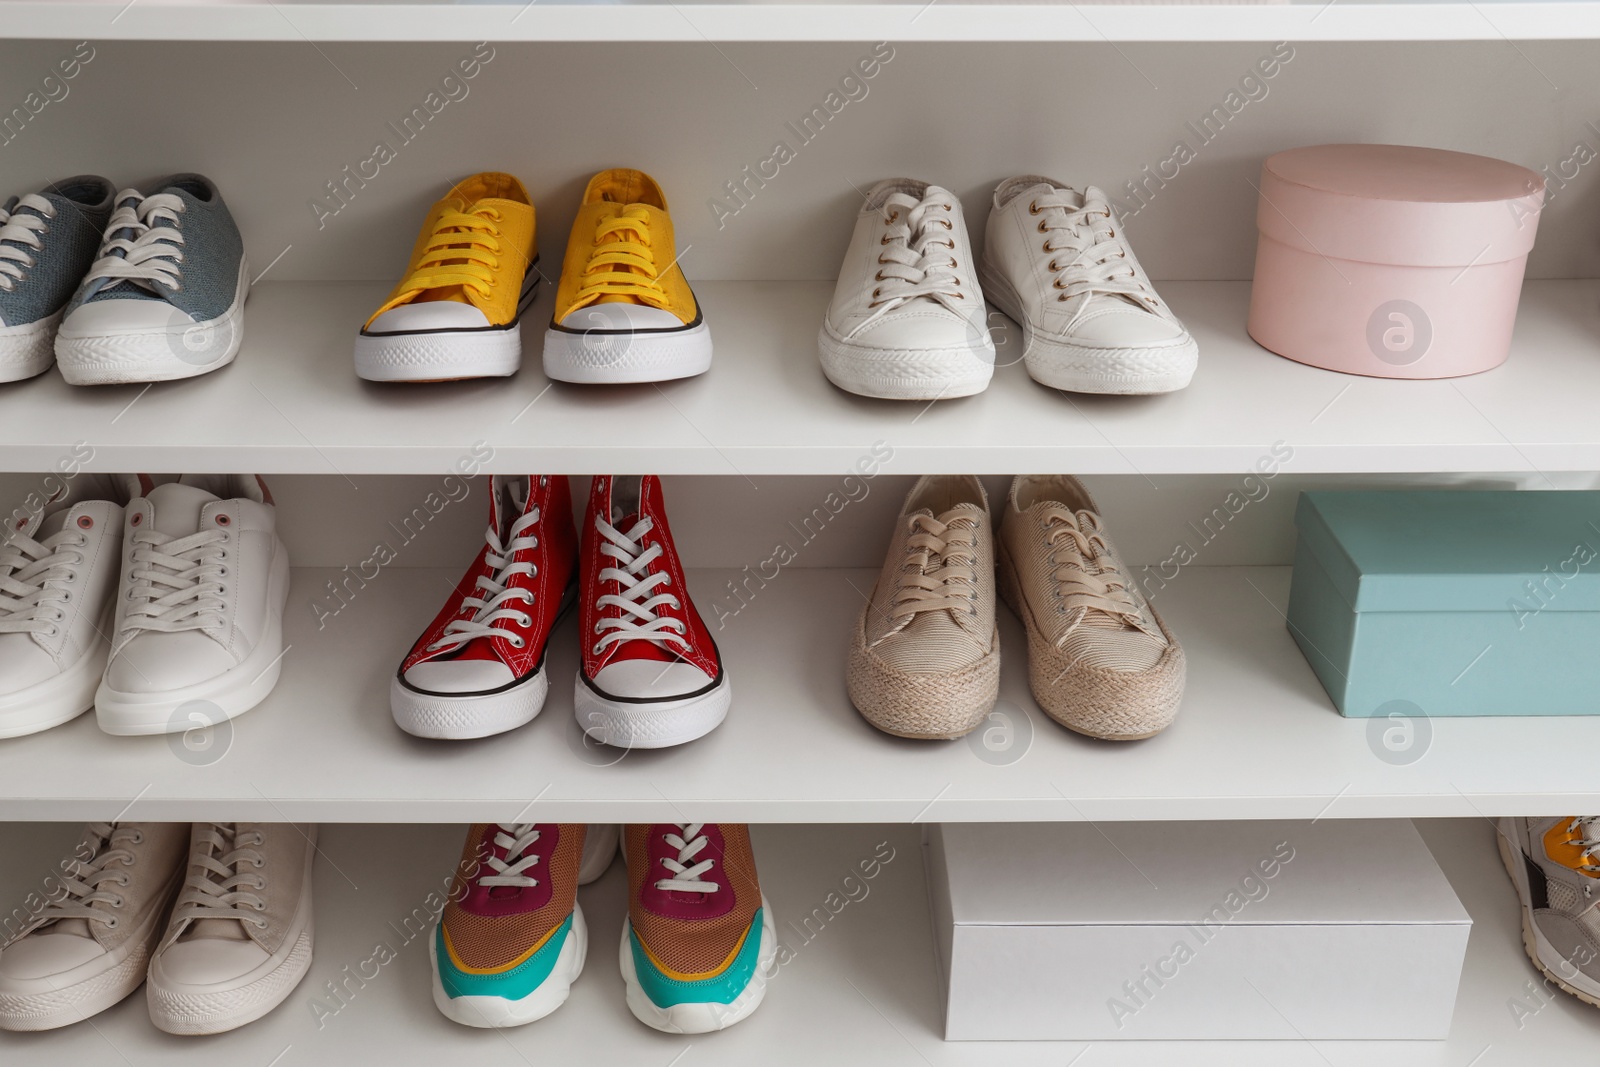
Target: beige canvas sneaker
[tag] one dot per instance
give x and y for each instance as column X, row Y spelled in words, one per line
column 240, row 938
column 88, row 934
column 1100, row 660
column 925, row 656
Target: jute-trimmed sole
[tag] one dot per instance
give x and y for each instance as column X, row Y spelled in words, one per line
column 1109, row 705
column 931, row 707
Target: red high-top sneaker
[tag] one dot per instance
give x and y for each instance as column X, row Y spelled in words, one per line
column 478, row 669
column 651, row 675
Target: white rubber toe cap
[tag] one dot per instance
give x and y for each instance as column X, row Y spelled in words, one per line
column 41, row 955
column 459, row 675
column 622, row 317
column 429, row 315
column 110, row 318
column 642, row 679
column 918, row 331
column 1127, row 327
column 208, row 961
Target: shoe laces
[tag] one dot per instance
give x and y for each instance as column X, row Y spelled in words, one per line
column 940, row 572
column 85, row 878
column 22, row 222
column 916, row 254
column 689, row 840
column 637, row 579
column 1085, row 573
column 34, row 579
column 464, row 249
column 516, row 839
column 143, row 245
column 1584, row 833
column 1086, row 255
column 176, row 583
column 483, row 615
column 623, row 262
column 224, row 876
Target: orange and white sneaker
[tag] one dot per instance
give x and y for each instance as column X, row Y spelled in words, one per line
column 699, row 943
column 624, row 312
column 457, row 312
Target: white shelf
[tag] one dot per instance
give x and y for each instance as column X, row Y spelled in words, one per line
column 863, row 990
column 292, row 404
column 908, row 20
column 1256, row 738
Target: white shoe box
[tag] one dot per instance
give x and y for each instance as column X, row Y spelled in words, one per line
column 1193, row 931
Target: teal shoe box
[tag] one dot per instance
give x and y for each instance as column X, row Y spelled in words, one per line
column 1450, row 602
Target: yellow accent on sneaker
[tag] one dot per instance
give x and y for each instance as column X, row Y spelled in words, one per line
column 476, row 247
column 622, row 250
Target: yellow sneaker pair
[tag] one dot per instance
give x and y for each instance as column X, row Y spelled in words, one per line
column 623, row 311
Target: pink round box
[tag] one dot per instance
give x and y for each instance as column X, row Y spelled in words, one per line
column 1391, row 261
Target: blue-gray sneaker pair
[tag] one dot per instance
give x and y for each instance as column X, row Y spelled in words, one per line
column 48, row 242
column 165, row 297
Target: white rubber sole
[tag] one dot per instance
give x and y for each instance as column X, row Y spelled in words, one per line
column 658, row 724
column 615, row 358
column 55, row 700
column 88, row 990
column 700, row 1018
column 1545, row 956
column 182, row 350
column 28, row 349
column 467, row 715
column 493, row 1013
column 439, row 356
column 192, row 1012
column 905, row 374
column 233, row 692
column 1073, row 368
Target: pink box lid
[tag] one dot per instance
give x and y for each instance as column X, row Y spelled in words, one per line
column 1380, row 203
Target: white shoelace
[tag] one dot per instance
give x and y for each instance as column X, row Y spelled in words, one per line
column 488, row 612
column 636, row 582
column 222, row 888
column 144, row 244
column 177, row 583
column 31, row 577
column 1088, row 257
column 917, row 254
column 689, row 842
column 1087, row 577
column 516, row 839
column 83, row 877
column 23, row 229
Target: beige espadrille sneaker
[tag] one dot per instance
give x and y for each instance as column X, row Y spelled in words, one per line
column 925, row 655
column 1100, row 660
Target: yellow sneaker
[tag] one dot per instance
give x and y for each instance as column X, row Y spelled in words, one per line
column 456, row 312
column 624, row 312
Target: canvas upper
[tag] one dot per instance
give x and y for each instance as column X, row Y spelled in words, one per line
column 48, row 240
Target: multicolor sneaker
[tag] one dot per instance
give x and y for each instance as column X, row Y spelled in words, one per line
column 48, row 242
column 457, row 313
column 478, row 669
column 1555, row 866
column 699, row 942
column 624, row 312
column 512, row 939
column 651, row 675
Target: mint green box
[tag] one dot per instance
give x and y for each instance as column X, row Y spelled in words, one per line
column 1450, row 602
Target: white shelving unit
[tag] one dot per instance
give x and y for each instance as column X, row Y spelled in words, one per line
column 278, row 101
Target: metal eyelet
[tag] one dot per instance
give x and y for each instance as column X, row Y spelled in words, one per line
column 224, row 520
column 85, row 522
column 112, row 923
column 1042, row 227
column 138, row 519
column 597, row 649
column 875, row 293
column 1033, row 207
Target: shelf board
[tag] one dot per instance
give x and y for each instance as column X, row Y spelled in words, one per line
column 298, row 21
column 869, row 973
column 1256, row 737
column 292, row 404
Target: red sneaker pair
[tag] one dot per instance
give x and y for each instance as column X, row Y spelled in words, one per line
column 651, row 674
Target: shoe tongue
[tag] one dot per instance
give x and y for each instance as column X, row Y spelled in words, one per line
column 176, row 508
column 53, row 523
column 216, row 930
column 71, row 927
column 961, row 511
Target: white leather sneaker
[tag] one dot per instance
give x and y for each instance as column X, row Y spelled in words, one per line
column 58, row 582
column 200, row 615
column 87, row 945
column 240, row 938
column 1058, row 263
column 907, row 320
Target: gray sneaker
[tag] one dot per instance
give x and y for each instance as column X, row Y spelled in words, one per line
column 48, row 241
column 1555, row 865
column 165, row 299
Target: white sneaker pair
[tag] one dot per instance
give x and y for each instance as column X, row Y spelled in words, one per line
column 908, row 319
column 161, row 608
